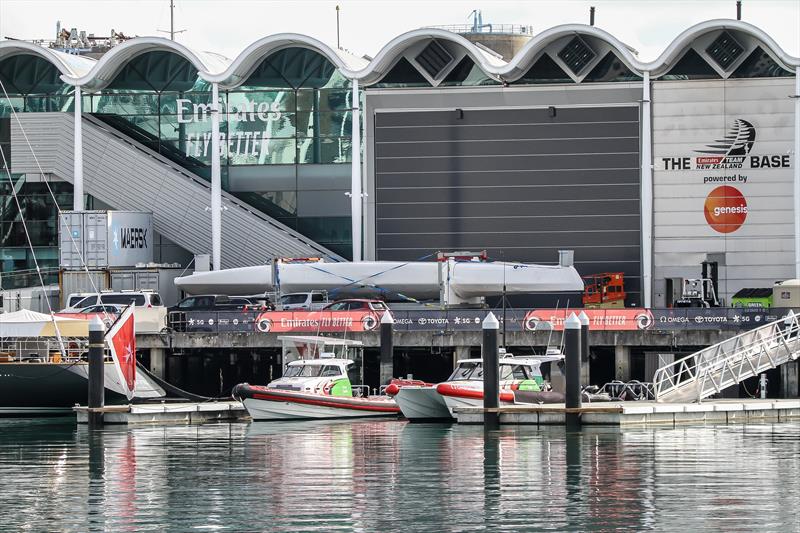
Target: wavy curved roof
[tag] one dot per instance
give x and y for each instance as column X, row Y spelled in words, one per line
column 244, row 64
column 107, row 67
column 94, row 75
column 67, row 64
column 676, row 48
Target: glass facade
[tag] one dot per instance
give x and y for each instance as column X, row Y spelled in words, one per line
column 17, row 265
column 285, row 131
column 32, row 85
column 292, row 113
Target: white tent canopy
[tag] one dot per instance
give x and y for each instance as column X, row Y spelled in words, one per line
column 26, row 323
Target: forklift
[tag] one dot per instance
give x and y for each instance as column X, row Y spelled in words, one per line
column 701, row 292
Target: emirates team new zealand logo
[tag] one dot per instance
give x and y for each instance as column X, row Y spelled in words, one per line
column 733, row 151
column 738, row 142
column 730, row 151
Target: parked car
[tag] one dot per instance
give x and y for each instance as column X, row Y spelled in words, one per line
column 114, row 309
column 370, row 311
column 215, row 302
column 358, row 305
column 144, row 298
column 304, row 301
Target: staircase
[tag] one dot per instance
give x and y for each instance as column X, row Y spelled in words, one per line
column 709, row 371
column 122, row 172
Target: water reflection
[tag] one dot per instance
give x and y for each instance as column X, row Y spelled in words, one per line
column 386, row 475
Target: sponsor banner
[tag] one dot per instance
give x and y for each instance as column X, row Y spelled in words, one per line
column 714, row 318
column 316, row 321
column 599, row 319
column 235, row 321
column 471, row 319
column 455, row 320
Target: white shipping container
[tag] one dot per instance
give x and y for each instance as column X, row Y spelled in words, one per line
column 160, row 280
column 74, row 281
column 102, row 239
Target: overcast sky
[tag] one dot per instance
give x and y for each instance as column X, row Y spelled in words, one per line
column 228, row 26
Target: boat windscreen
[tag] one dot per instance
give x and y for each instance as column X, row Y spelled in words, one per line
column 467, row 371
column 514, row 372
column 302, row 371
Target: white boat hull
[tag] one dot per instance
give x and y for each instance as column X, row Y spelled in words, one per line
column 421, row 403
column 453, row 402
column 264, row 403
column 276, row 410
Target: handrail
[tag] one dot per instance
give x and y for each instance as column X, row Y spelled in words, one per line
column 726, row 363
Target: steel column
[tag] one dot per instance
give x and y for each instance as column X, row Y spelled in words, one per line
column 216, row 183
column 356, row 198
column 796, row 165
column 647, row 194
column 77, row 194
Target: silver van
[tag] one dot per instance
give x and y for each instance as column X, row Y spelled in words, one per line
column 303, row 301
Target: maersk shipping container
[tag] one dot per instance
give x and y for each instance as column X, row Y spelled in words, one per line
column 75, row 281
column 103, row 239
column 157, row 279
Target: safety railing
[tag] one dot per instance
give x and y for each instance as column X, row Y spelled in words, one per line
column 628, row 391
column 709, row 371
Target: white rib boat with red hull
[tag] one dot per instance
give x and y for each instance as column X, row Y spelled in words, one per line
column 516, row 374
column 313, row 388
column 464, row 388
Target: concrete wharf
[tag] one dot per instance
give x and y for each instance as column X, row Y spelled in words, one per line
column 168, row 413
column 643, row 413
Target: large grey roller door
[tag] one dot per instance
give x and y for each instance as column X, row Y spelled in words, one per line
column 518, row 182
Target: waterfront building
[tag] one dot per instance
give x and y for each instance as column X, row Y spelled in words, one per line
column 562, row 139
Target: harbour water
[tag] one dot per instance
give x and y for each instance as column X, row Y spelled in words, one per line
column 392, row 476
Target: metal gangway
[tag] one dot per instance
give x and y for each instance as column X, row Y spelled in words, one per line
column 709, row 371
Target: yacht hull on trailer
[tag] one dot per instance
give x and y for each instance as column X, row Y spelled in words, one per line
column 467, row 279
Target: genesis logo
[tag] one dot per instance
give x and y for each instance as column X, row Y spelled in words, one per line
column 733, row 151
column 739, row 140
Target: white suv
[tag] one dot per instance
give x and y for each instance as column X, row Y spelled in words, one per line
column 80, row 300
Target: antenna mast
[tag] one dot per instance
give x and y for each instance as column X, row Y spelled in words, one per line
column 338, row 45
column 172, row 31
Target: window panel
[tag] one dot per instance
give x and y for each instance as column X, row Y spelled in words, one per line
column 272, row 124
column 326, row 229
column 17, row 103
column 325, row 124
column 324, row 150
column 145, row 103
column 254, row 102
column 251, row 148
column 324, row 99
